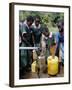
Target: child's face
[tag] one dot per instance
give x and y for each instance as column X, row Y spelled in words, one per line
column 37, row 22
column 29, row 23
column 46, row 33
column 61, row 28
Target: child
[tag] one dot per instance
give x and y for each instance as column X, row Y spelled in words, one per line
column 46, row 41
column 37, row 31
column 60, row 41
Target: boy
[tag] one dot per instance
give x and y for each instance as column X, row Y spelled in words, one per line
column 26, row 40
column 60, row 41
column 46, row 41
column 37, row 31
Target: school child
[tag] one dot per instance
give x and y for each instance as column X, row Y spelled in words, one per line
column 46, row 41
column 25, row 55
column 60, row 41
column 37, row 31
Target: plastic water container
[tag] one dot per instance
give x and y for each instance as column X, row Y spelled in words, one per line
column 52, row 65
column 33, row 66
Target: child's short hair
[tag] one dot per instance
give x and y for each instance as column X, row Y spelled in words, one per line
column 60, row 24
column 37, row 16
column 45, row 29
column 30, row 18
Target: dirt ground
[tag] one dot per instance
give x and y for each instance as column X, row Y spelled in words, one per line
column 30, row 75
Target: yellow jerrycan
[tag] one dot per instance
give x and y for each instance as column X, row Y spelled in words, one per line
column 52, row 63
column 33, row 66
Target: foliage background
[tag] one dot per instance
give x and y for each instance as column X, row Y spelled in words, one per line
column 48, row 18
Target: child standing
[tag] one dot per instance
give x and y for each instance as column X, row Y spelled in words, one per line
column 46, row 41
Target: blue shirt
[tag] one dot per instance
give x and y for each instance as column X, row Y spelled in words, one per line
column 60, row 43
